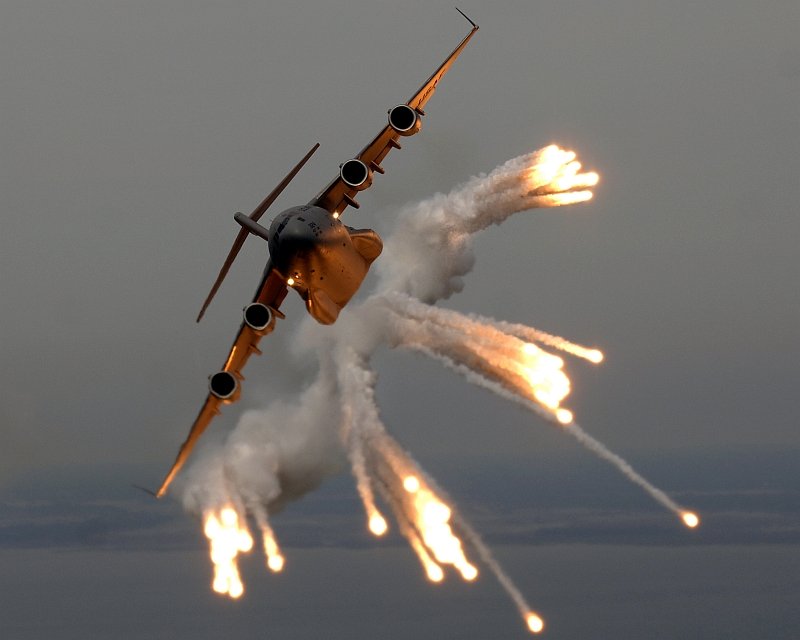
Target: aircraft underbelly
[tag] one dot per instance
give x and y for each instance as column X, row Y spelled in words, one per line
column 316, row 252
column 334, row 276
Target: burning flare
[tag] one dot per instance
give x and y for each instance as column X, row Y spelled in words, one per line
column 227, row 540
column 431, row 519
column 377, row 524
column 535, row 623
column 274, row 557
column 690, row 519
column 424, row 260
column 465, row 343
column 555, row 178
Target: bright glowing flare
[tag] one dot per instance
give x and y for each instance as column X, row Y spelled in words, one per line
column 564, row 416
column 548, row 383
column 236, row 588
column 411, row 484
column 555, row 176
column 568, row 197
column 432, row 521
column 274, row 557
column 434, row 571
column 377, row 524
column 691, row 519
column 227, row 540
column 468, row 572
column 595, row 355
column 535, row 623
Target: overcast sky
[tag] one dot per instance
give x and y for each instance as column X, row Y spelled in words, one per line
column 131, row 132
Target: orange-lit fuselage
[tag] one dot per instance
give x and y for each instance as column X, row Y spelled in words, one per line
column 320, row 258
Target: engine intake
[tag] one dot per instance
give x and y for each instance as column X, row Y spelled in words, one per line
column 223, row 385
column 258, row 316
column 404, row 120
column 355, row 174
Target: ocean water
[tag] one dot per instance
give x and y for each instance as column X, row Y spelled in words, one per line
column 583, row 591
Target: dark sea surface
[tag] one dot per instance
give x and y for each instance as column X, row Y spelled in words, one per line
column 84, row 555
column 582, row 591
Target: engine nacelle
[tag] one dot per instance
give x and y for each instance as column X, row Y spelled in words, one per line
column 356, row 175
column 259, row 317
column 404, row 120
column 223, row 385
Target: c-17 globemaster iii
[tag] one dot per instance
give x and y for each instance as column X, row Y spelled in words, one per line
column 310, row 251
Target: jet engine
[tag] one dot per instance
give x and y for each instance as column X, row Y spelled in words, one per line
column 223, row 385
column 259, row 317
column 355, row 174
column 404, row 120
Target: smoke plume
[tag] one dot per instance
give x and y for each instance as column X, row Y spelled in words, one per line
column 278, row 454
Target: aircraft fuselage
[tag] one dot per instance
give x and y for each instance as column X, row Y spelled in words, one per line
column 321, row 258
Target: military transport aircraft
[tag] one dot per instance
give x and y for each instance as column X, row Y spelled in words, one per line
column 311, row 251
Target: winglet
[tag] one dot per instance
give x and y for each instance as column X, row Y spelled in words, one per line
column 465, row 15
column 152, row 493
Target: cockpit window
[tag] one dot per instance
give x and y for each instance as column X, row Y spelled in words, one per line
column 281, row 227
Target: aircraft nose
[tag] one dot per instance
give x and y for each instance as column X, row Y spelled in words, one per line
column 295, row 236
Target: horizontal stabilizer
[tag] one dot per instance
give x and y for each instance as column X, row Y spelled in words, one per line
column 251, row 226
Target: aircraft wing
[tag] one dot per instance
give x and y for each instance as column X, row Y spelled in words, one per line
column 271, row 293
column 337, row 195
column 272, row 290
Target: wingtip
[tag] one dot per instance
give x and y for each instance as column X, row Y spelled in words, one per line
column 146, row 490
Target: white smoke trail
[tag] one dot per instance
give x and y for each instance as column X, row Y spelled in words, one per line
column 458, row 341
column 480, row 381
column 571, row 427
column 355, row 451
column 480, row 325
column 276, row 455
column 417, row 336
column 360, row 425
column 601, row 450
column 421, row 516
column 429, row 251
column 534, row 335
column 535, row 623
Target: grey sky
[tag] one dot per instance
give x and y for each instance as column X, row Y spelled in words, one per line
column 131, row 132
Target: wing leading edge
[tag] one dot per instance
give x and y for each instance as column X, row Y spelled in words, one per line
column 337, row 195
